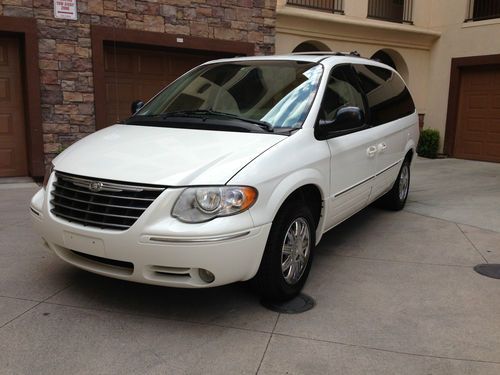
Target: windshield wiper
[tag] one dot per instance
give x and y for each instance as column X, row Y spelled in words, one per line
column 204, row 112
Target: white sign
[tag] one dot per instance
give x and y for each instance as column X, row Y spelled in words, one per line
column 65, row 9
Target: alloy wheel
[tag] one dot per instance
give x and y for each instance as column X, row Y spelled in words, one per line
column 404, row 182
column 295, row 250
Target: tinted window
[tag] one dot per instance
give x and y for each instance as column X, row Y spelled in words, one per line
column 342, row 90
column 387, row 95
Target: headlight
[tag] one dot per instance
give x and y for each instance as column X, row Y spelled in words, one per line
column 196, row 205
column 48, row 171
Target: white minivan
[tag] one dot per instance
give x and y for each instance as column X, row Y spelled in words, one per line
column 233, row 172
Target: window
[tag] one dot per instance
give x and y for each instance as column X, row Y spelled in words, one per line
column 391, row 10
column 334, row 6
column 387, row 95
column 278, row 92
column 342, row 90
column 483, row 10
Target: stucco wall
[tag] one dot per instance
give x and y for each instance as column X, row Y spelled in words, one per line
column 416, row 60
column 458, row 39
column 439, row 25
column 408, row 45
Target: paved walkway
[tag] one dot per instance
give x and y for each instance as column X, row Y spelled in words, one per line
column 395, row 293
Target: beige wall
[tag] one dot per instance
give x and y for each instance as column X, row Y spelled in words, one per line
column 409, row 45
column 458, row 39
column 416, row 60
column 437, row 35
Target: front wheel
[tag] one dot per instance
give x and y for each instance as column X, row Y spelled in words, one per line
column 288, row 254
column 395, row 198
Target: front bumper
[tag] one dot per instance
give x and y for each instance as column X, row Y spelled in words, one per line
column 157, row 249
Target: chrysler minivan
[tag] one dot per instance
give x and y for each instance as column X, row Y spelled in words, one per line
column 233, row 172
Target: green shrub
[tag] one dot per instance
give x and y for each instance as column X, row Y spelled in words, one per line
column 428, row 143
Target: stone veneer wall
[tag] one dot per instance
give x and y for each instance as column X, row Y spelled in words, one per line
column 65, row 61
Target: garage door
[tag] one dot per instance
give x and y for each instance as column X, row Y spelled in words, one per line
column 137, row 73
column 478, row 128
column 13, row 160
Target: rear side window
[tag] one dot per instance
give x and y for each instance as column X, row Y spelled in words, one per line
column 387, row 95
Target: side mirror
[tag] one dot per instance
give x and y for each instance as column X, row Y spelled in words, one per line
column 347, row 120
column 136, row 105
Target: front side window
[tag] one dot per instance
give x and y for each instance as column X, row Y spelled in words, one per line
column 387, row 95
column 278, row 94
column 341, row 91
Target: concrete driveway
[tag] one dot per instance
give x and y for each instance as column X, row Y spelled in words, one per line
column 396, row 293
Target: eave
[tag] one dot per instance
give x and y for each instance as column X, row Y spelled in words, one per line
column 315, row 24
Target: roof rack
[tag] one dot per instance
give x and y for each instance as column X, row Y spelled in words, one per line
column 329, row 53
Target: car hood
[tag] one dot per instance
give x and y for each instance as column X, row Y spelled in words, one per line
column 163, row 156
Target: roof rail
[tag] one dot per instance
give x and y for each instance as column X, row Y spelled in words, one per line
column 329, row 53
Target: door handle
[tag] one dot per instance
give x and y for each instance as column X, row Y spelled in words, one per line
column 371, row 151
column 381, row 147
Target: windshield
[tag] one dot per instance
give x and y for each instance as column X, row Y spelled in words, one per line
column 278, row 94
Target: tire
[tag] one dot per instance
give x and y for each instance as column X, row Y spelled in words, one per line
column 395, row 198
column 294, row 222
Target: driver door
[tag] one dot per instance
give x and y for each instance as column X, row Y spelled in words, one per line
column 352, row 156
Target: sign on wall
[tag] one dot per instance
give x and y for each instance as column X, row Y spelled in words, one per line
column 65, row 9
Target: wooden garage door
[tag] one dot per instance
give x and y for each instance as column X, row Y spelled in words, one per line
column 13, row 160
column 478, row 127
column 137, row 73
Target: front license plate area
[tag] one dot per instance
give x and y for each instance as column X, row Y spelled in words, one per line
column 84, row 244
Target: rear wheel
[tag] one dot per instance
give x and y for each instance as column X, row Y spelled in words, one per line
column 288, row 255
column 395, row 198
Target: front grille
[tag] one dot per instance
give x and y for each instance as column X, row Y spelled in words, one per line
column 100, row 203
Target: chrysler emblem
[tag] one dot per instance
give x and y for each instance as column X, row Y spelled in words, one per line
column 95, row 186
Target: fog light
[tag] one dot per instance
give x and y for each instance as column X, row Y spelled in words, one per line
column 206, row 275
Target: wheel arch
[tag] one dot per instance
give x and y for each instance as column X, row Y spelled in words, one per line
column 311, row 195
column 410, row 150
column 308, row 189
column 266, row 279
column 409, row 155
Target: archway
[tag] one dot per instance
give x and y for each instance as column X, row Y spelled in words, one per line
column 393, row 59
column 311, row 46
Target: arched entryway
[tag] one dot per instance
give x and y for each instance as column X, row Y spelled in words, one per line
column 393, row 59
column 311, row 46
